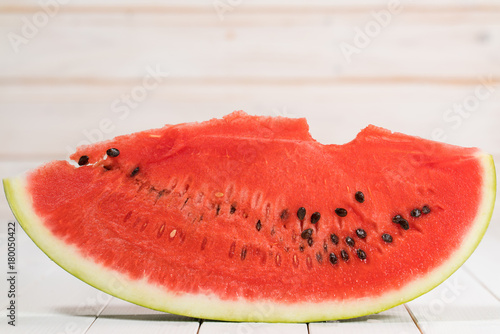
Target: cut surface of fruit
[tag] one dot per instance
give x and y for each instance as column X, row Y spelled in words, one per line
column 249, row 218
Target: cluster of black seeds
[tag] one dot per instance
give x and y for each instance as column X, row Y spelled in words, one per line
column 418, row 212
column 112, row 153
column 398, row 219
column 308, row 234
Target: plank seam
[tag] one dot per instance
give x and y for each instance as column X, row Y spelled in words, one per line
column 412, row 316
column 90, row 326
column 200, row 322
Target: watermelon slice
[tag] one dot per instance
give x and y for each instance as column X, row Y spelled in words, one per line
column 250, row 219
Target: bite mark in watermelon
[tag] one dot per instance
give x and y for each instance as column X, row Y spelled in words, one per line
column 250, row 219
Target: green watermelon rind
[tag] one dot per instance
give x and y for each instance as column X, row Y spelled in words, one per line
column 209, row 306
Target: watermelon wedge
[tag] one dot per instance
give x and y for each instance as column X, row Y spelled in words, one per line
column 249, row 218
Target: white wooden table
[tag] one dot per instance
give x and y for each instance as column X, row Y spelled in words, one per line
column 80, row 71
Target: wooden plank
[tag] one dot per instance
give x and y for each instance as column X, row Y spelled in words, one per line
column 460, row 305
column 212, row 327
column 61, row 117
column 48, row 299
column 282, row 4
column 132, row 325
column 124, row 317
column 396, row 320
column 480, row 263
column 43, row 324
column 268, row 46
column 32, row 264
column 118, row 308
column 44, row 288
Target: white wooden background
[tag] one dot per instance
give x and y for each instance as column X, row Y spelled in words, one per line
column 72, row 71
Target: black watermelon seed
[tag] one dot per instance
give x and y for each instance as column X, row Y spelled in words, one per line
column 387, row 237
column 361, row 233
column 243, row 253
column 360, row 197
column 306, row 234
column 325, row 246
column 341, row 212
column 349, row 241
column 315, row 217
column 84, row 159
column 416, row 213
column 284, row 214
column 404, row 224
column 310, row 242
column 361, row 254
column 333, row 258
column 134, row 172
column 401, row 221
column 334, row 238
column 113, row 152
column 319, row 258
column 426, row 210
column 345, row 255
column 258, row 226
column 301, row 213
column 396, row 219
column 107, row 167
column 232, row 209
column 301, row 248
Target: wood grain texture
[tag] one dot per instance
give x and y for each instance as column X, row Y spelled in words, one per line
column 428, row 46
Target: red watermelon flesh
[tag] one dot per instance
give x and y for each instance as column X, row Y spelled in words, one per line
column 207, row 219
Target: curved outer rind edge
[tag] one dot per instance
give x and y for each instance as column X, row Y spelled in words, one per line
column 209, row 306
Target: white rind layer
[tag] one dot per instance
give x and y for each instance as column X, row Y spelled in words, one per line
column 210, row 306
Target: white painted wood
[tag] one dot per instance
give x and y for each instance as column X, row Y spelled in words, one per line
column 62, row 117
column 44, row 288
column 460, row 305
column 212, row 327
column 117, row 307
column 44, row 324
column 132, row 318
column 283, row 4
column 396, row 320
column 273, row 45
column 482, row 264
column 144, row 323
